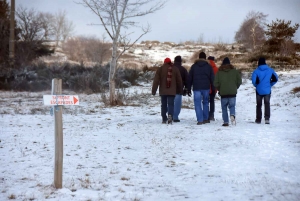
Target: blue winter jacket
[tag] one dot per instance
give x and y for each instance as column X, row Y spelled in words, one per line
column 201, row 76
column 263, row 78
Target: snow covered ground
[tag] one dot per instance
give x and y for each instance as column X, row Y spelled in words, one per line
column 125, row 153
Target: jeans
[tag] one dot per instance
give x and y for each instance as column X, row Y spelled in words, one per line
column 177, row 106
column 201, row 104
column 212, row 105
column 230, row 103
column 167, row 105
column 259, row 105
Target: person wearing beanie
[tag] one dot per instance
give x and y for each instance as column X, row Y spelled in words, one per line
column 263, row 79
column 167, row 60
column 168, row 79
column 213, row 91
column 200, row 78
column 202, row 55
column 227, row 82
column 178, row 97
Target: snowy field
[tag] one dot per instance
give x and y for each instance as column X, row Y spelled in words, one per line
column 125, row 153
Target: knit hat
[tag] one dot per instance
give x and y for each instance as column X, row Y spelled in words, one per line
column 261, row 61
column 211, row 58
column 167, row 60
column 202, row 55
column 178, row 58
column 226, row 61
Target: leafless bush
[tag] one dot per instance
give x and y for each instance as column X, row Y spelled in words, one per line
column 84, row 49
column 220, row 47
column 195, row 55
column 287, row 48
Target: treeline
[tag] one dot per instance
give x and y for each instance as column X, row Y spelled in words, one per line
column 38, row 77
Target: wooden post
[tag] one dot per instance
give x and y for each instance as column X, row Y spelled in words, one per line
column 58, row 132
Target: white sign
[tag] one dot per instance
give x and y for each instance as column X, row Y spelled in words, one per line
column 61, row 99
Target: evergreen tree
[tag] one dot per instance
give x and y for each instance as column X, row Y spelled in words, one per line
column 279, row 35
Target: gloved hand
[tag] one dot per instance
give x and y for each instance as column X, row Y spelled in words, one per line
column 189, row 93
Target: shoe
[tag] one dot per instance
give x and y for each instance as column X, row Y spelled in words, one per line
column 176, row 120
column 225, row 124
column 257, row 121
column 199, row 123
column 169, row 119
column 206, row 121
column 164, row 122
column 211, row 118
column 267, row 121
column 232, row 119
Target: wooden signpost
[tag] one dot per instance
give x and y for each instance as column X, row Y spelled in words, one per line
column 57, row 100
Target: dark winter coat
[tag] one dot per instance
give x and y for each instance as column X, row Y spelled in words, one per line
column 263, row 78
column 160, row 80
column 227, row 81
column 201, row 76
column 183, row 73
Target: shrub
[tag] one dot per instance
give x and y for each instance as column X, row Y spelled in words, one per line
column 296, row 90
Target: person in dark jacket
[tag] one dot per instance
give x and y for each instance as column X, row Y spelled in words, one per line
column 201, row 77
column 227, row 82
column 263, row 78
column 178, row 97
column 168, row 79
column 212, row 92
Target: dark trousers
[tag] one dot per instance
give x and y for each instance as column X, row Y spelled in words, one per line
column 267, row 112
column 167, row 105
column 212, row 105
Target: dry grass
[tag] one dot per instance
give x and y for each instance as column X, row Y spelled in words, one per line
column 12, row 197
column 296, row 90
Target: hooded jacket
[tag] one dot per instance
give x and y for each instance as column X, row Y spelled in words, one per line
column 183, row 73
column 263, row 78
column 160, row 80
column 227, row 81
column 201, row 76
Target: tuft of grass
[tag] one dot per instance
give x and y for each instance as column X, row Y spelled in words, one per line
column 125, row 179
column 296, row 90
column 12, row 197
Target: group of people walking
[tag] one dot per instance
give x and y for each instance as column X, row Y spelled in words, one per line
column 205, row 79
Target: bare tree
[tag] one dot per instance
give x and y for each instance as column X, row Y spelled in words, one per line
column 46, row 19
column 30, row 24
column 251, row 32
column 62, row 27
column 116, row 15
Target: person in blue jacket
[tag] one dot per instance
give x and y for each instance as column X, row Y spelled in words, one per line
column 263, row 78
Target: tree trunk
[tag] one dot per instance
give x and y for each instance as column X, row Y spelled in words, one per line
column 112, row 74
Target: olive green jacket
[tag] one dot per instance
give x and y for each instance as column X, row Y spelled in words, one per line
column 227, row 81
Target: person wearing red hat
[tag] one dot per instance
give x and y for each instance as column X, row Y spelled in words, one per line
column 168, row 79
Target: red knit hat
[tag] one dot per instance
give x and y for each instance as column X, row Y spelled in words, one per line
column 167, row 60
